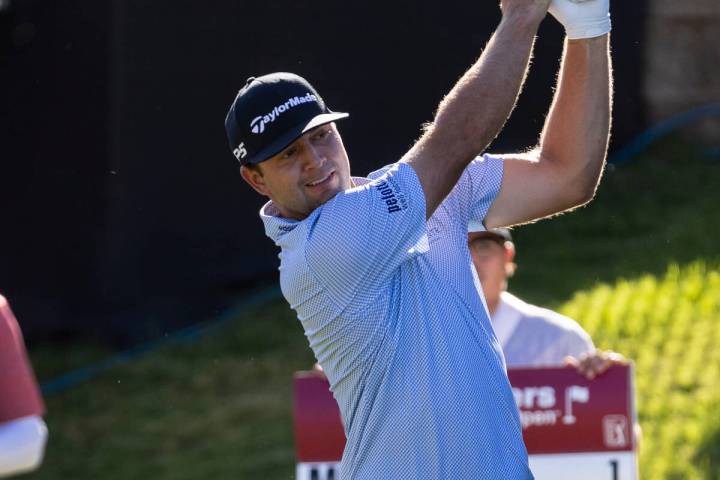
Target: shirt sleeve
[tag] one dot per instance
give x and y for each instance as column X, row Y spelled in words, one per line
column 573, row 341
column 579, row 343
column 475, row 192
column 364, row 234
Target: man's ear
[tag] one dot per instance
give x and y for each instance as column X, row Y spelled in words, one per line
column 510, row 265
column 254, row 178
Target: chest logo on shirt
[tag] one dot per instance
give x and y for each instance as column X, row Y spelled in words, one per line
column 395, row 202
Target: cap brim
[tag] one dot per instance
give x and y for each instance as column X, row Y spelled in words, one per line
column 502, row 234
column 293, row 134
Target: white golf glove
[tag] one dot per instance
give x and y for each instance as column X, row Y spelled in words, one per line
column 582, row 18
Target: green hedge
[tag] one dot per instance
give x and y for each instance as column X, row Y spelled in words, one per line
column 670, row 326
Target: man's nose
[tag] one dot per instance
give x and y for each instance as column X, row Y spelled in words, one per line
column 314, row 157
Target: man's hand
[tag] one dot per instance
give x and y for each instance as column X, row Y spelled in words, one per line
column 582, row 18
column 595, row 363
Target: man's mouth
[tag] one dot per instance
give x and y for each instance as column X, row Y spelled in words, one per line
column 322, row 180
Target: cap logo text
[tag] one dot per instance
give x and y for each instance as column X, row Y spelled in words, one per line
column 257, row 125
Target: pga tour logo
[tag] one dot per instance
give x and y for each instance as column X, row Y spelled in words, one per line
column 257, row 125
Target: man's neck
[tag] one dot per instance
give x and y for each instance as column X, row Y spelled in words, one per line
column 492, row 305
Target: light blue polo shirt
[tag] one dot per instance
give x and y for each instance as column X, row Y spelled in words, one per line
column 388, row 305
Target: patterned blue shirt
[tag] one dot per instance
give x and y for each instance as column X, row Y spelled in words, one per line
column 388, row 305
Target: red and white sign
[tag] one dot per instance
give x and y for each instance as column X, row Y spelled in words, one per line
column 564, row 412
column 570, row 424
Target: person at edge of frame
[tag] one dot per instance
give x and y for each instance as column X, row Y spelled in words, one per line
column 23, row 433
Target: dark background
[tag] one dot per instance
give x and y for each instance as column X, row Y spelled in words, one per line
column 122, row 213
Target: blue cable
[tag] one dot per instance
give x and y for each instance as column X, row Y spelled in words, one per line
column 640, row 143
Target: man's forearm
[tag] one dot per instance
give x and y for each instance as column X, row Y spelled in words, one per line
column 576, row 131
column 476, row 108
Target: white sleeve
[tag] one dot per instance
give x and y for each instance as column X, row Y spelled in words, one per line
column 579, row 344
column 574, row 341
column 22, row 445
column 363, row 234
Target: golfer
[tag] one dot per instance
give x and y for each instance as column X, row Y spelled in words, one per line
column 378, row 268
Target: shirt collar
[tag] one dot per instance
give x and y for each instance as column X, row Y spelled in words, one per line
column 276, row 226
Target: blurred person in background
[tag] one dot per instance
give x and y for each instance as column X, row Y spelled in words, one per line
column 23, row 432
column 530, row 336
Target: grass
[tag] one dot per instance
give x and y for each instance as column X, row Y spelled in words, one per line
column 638, row 267
column 219, row 406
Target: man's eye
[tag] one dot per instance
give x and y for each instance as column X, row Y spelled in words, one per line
column 322, row 134
column 288, row 153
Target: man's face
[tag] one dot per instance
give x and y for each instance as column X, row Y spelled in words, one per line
column 308, row 173
column 493, row 260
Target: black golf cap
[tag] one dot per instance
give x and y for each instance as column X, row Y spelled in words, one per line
column 271, row 112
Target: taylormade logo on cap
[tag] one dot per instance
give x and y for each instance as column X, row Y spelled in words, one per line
column 257, row 125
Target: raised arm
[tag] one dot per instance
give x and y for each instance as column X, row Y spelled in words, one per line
column 475, row 110
column 565, row 168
